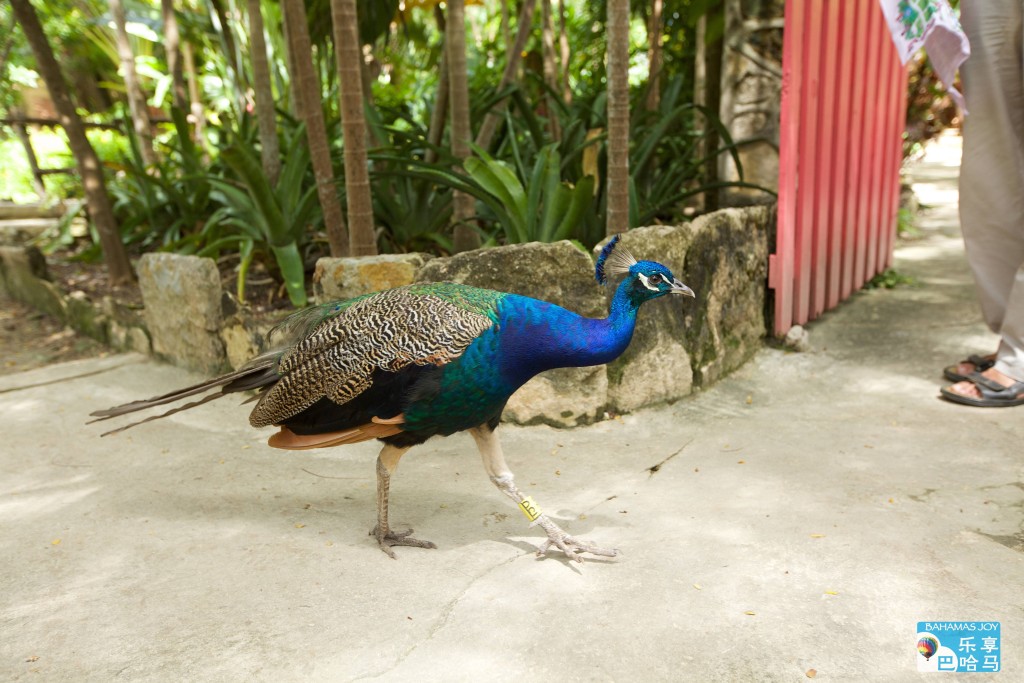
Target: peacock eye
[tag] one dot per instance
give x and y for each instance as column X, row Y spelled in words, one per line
column 655, row 279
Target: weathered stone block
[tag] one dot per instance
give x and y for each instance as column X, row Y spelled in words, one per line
column 682, row 343
column 182, row 295
column 566, row 397
column 656, row 367
column 557, row 272
column 24, row 276
column 86, row 318
column 346, row 278
column 727, row 267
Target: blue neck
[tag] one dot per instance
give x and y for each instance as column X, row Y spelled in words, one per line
column 537, row 336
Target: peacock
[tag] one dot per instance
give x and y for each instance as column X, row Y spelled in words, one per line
column 423, row 360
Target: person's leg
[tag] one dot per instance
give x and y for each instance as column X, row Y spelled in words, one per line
column 992, row 176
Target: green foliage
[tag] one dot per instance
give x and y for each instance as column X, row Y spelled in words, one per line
column 278, row 218
column 546, row 210
column 890, row 279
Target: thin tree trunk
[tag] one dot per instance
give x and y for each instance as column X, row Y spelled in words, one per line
column 564, row 53
column 228, row 37
column 362, row 238
column 306, row 87
column 653, row 100
column 198, row 116
column 617, row 216
column 270, row 152
column 506, row 28
column 172, row 44
column 136, row 100
column 119, row 270
column 30, row 154
column 440, row 112
column 464, row 237
column 550, row 67
column 494, row 116
column 713, row 94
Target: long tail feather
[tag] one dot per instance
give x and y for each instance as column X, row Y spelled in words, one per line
column 172, row 411
column 256, row 374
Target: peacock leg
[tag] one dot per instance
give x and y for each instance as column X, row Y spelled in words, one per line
column 501, row 475
column 387, row 463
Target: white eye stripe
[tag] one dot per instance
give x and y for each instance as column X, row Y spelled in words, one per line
column 647, row 284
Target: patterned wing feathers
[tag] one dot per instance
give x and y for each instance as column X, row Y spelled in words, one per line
column 388, row 331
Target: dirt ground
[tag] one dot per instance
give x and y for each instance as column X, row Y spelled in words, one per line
column 30, row 339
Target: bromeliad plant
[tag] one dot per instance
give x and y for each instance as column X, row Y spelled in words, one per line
column 259, row 215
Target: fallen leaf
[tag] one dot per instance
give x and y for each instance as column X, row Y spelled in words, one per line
column 558, row 473
column 582, row 516
column 329, row 543
column 811, row 673
column 299, row 525
column 55, row 541
column 831, row 593
column 817, row 535
column 749, row 613
column 742, row 462
column 698, row 586
column 891, row 500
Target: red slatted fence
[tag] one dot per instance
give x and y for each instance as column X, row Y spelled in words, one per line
column 843, row 103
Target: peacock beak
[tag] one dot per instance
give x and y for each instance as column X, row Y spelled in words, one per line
column 679, row 288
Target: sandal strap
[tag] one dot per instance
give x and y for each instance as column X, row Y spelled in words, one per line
column 992, row 389
column 980, row 362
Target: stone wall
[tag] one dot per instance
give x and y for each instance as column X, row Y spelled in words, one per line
column 680, row 344
column 24, row 276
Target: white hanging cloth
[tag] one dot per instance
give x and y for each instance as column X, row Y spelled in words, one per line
column 933, row 25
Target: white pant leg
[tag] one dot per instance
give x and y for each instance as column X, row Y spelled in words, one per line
column 992, row 171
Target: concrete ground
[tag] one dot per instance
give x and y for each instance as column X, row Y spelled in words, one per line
column 808, row 511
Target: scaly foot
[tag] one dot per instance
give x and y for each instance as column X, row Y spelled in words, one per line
column 566, row 543
column 393, row 538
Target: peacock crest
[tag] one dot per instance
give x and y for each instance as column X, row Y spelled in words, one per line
column 613, row 260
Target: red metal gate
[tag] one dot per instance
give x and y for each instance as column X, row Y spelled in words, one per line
column 843, row 102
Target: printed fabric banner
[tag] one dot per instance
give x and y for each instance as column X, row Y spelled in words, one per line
column 933, row 25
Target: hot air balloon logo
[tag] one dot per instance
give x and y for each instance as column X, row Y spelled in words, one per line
column 927, row 646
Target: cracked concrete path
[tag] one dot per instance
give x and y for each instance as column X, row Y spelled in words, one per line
column 805, row 514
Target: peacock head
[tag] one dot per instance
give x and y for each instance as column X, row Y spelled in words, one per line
column 645, row 280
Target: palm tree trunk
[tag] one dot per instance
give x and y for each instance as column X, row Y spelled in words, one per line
column 306, row 90
column 653, row 99
column 439, row 114
column 617, row 214
column 270, row 152
column 550, row 66
column 506, row 29
column 172, row 43
column 136, row 100
column 464, row 237
column 362, row 238
column 198, row 115
column 564, row 53
column 713, row 53
column 119, row 270
column 512, row 59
